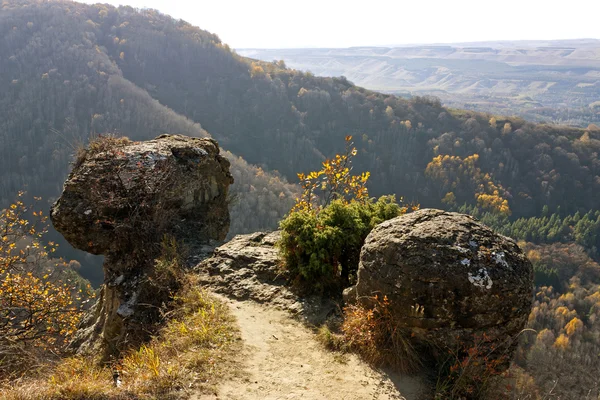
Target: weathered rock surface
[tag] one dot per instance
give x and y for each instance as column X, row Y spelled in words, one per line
column 447, row 278
column 119, row 200
column 249, row 267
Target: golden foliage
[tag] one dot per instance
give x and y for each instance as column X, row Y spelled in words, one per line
column 256, row 70
column 562, row 342
column 39, row 306
column 334, row 181
column 449, row 199
column 574, row 325
column 454, row 173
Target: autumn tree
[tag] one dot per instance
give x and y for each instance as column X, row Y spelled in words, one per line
column 334, row 181
column 41, row 299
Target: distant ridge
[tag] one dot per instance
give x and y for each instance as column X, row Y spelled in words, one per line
column 492, row 76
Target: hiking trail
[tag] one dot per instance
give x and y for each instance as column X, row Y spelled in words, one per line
column 282, row 359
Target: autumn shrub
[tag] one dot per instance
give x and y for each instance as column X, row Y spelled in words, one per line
column 453, row 172
column 475, row 369
column 100, row 144
column 168, row 275
column 375, row 334
column 41, row 299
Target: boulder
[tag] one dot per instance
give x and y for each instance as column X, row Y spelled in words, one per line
column 120, row 199
column 449, row 280
column 249, row 267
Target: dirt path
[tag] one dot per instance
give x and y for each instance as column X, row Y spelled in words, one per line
column 282, row 360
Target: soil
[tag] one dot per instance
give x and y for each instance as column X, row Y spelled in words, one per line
column 282, row 359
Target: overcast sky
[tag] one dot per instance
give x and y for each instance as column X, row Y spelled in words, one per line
column 336, row 23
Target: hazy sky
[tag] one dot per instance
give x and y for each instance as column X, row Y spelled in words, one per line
column 334, row 23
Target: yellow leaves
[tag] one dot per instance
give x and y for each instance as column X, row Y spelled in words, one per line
column 562, row 342
column 389, row 112
column 493, row 202
column 534, row 256
column 36, row 309
column 334, row 181
column 256, row 70
column 575, row 325
column 585, row 138
column 454, row 172
column 36, row 306
column 449, row 199
column 564, row 311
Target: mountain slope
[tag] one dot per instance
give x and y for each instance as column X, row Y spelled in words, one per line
column 60, row 86
column 75, row 69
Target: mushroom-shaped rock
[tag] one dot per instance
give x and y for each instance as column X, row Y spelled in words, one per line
column 448, row 279
column 120, row 199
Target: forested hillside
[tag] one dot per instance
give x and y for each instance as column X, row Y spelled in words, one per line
column 59, row 86
column 70, row 71
column 554, row 80
column 76, row 69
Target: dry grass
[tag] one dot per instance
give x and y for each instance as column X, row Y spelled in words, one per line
column 99, row 144
column 375, row 336
column 190, row 353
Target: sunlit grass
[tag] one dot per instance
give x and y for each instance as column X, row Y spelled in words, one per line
column 189, row 354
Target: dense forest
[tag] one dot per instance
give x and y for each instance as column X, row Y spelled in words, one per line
column 69, row 72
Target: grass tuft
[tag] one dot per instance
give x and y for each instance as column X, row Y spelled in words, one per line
column 374, row 334
column 99, row 144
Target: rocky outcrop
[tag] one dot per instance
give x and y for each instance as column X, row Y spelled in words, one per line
column 448, row 279
column 120, row 199
column 249, row 267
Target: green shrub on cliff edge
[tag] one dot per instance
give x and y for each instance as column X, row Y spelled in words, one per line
column 324, row 232
column 323, row 247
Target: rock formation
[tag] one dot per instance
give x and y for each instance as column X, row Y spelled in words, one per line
column 448, row 279
column 120, row 200
column 250, row 267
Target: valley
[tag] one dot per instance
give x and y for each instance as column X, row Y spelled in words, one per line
column 545, row 81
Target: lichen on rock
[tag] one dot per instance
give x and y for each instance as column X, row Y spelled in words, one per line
column 120, row 200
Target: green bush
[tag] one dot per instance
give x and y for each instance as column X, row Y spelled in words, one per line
column 321, row 249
